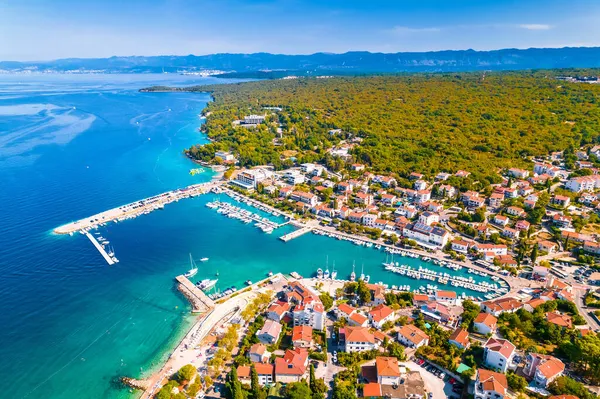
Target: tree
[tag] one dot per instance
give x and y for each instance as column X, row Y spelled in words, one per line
column 364, row 293
column 534, row 253
column 516, row 382
column 233, row 386
column 256, row 390
column 396, row 350
column 327, row 300
column 317, row 386
column 186, row 373
column 297, row 390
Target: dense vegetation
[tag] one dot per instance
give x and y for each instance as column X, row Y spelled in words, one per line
column 428, row 123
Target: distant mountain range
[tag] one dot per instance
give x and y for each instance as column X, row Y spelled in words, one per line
column 356, row 62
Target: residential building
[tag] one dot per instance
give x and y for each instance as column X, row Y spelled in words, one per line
column 501, row 220
column 254, row 119
column 583, row 183
column 496, row 200
column 445, row 296
column 542, row 369
column 381, row 314
column 258, row 353
column 509, row 305
column 277, row 310
column 302, row 336
column 591, row 247
column 263, row 370
column 307, row 198
column 292, row 366
column 270, row 332
column 547, row 246
column 560, row 200
column 249, row 179
column 308, row 309
column 498, row 354
column 429, row 218
column 358, row 320
column 344, row 311
column 490, row 385
column 561, row 221
column 388, row 371
column 522, row 225
column 359, row 339
column 515, row 211
column 460, row 338
column 364, row 199
column 485, row 323
column 518, row 173
column 412, row 337
column 460, row 246
column 225, row 156
column 511, row 233
column 559, row 319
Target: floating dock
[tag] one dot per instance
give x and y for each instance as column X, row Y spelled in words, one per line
column 295, row 234
column 100, row 249
column 199, row 300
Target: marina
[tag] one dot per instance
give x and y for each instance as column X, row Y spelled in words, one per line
column 295, row 234
column 110, row 259
column 244, row 215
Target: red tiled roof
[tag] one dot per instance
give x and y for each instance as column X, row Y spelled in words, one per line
column 380, row 312
column 561, row 320
column 292, row 363
column 387, row 367
column 359, row 334
column 372, row 389
column 502, row 346
column 358, row 318
column 492, row 381
column 461, row 336
column 413, row 334
column 303, row 333
column 486, row 318
column 345, row 308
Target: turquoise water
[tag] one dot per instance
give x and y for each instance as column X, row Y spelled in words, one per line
column 72, row 146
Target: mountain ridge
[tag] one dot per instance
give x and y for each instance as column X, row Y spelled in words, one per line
column 352, row 62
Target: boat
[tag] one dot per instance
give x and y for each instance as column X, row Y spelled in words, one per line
column 353, row 274
column 204, row 260
column 326, row 275
column 193, row 271
column 207, row 284
column 362, row 273
column 248, row 282
column 319, row 273
column 367, row 278
column 333, row 272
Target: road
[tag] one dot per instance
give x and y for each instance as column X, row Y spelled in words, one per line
column 584, row 310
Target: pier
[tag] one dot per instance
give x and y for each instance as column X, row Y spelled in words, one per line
column 295, row 234
column 200, row 302
column 101, row 249
column 137, row 208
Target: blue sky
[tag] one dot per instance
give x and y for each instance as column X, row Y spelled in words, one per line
column 50, row 29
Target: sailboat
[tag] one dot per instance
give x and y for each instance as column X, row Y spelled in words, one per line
column 194, row 270
column 362, row 272
column 204, row 260
column 319, row 273
column 326, row 275
column 353, row 274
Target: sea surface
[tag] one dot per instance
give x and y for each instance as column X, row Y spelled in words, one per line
column 75, row 145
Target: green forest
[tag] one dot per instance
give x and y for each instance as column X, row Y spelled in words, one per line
column 428, row 123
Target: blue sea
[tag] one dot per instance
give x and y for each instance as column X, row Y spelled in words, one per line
column 75, row 145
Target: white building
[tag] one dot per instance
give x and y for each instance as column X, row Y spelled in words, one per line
column 359, row 339
column 543, row 369
column 498, row 354
column 583, row 183
column 485, row 323
column 490, row 385
column 224, row 155
column 412, row 337
column 249, row 179
column 254, row 119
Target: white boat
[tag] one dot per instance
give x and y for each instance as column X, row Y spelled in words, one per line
column 326, row 275
column 207, row 284
column 367, row 278
column 319, row 273
column 204, row 260
column 353, row 274
column 194, row 270
column 333, row 272
column 362, row 273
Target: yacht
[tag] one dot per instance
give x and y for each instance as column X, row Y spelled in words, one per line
column 207, row 284
column 367, row 278
column 326, row 275
column 319, row 273
column 333, row 272
column 353, row 274
column 362, row 273
column 204, row 260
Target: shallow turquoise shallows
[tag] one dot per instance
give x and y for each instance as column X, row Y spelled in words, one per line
column 75, row 145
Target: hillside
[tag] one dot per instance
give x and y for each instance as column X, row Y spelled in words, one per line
column 408, row 123
column 354, row 62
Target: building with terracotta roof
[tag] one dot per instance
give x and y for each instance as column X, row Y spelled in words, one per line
column 485, row 323
column 490, row 384
column 344, row 311
column 381, row 314
column 388, row 371
column 277, row 310
column 270, row 332
column 460, row 338
column 509, row 305
column 258, row 353
column 292, row 366
column 302, row 336
column 559, row 319
column 359, row 339
column 358, row 320
column 421, row 299
column 372, row 390
column 377, row 294
column 542, row 369
column 411, row 336
column 498, row 354
column 264, row 371
column 446, row 296
column 309, row 310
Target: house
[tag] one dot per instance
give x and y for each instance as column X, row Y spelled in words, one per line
column 369, row 219
column 532, row 304
column 498, row 354
column 357, row 319
column 445, row 296
column 429, row 218
column 510, row 233
column 380, row 315
column 427, row 235
column 388, row 199
column 591, row 247
column 501, row 220
column 415, row 176
column 547, row 246
column 518, row 173
column 263, row 370
column 462, row 173
column 560, row 200
column 420, row 185
column 496, row 249
column 302, row 336
column 542, row 369
column 359, row 339
column 440, row 313
column 583, row 183
column 442, row 176
column 421, row 300
column 412, row 337
column 509, row 305
column 515, row 211
column 344, row 311
column 388, row 371
column 364, row 199
column 292, row 366
column 460, row 246
column 485, row 323
column 270, row 332
column 358, row 167
column 258, row 353
column 573, row 236
column 495, row 200
column 377, row 294
column 277, row 310
column 559, row 319
column 343, row 187
column 307, row 198
column 490, row 385
column 224, row 156
column 249, row 179
column 447, row 190
column 561, row 221
column 460, row 338
column 522, row 225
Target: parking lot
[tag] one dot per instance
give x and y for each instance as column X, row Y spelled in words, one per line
column 436, row 381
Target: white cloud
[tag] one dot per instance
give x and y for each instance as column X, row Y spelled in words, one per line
column 404, row 30
column 535, row 26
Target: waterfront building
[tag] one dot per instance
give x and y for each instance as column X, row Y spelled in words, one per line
column 412, row 337
column 485, row 323
column 249, row 179
column 359, row 339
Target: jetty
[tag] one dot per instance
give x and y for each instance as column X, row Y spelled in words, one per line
column 199, row 300
column 137, row 208
column 110, row 260
column 295, row 234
